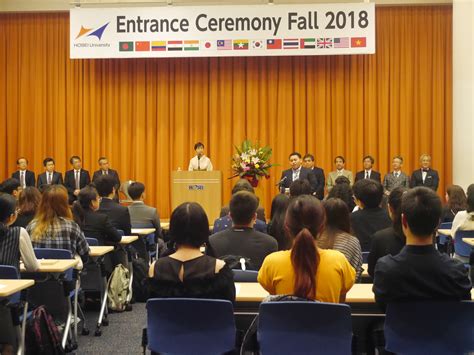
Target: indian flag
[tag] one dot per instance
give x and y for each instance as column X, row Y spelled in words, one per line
column 191, row 45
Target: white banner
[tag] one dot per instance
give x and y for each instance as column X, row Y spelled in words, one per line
column 223, row 31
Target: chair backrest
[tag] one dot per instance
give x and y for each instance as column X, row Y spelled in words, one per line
column 190, row 326
column 9, row 272
column 445, row 225
column 92, row 241
column 245, row 275
column 296, row 327
column 461, row 248
column 49, row 253
column 430, row 328
column 121, row 232
column 365, row 257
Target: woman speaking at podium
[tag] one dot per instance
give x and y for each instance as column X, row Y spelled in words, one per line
column 200, row 161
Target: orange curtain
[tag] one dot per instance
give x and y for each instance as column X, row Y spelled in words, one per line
column 146, row 114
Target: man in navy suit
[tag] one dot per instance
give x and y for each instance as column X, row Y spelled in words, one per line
column 105, row 170
column 76, row 178
column 296, row 172
column 368, row 173
column 425, row 176
column 308, row 161
column 49, row 177
column 23, row 175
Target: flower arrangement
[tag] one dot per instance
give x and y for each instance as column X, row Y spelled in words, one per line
column 251, row 162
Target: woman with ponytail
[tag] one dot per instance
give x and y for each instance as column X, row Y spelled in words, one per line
column 305, row 270
column 15, row 242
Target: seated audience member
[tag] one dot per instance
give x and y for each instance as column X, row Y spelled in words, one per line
column 464, row 220
column 277, row 221
column 300, row 187
column 397, row 178
column 419, row 272
column 308, row 163
column 23, row 175
column 53, row 226
column 11, row 187
column 225, row 222
column 76, row 178
column 307, row 271
column 297, row 172
column 343, row 191
column 188, row 272
column 370, row 218
column 425, row 176
column 28, row 203
column 368, row 173
column 15, row 242
column 242, row 240
column 244, row 185
column 389, row 240
column 455, row 201
column 340, row 163
column 50, row 176
column 336, row 234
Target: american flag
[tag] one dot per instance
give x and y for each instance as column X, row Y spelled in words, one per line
column 224, row 44
column 324, row 42
column 342, row 42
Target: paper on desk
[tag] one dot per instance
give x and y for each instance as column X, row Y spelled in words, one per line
column 237, row 289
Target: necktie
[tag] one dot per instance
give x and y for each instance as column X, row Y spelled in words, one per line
column 366, row 174
column 78, row 182
column 49, row 178
column 22, row 179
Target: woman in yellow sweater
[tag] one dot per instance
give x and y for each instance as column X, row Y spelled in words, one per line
column 306, row 271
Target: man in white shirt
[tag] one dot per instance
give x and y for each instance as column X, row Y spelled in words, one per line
column 200, row 162
column 23, row 175
column 368, row 173
column 396, row 178
column 49, row 177
column 76, row 178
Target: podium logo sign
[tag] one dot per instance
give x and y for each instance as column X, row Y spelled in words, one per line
column 196, row 187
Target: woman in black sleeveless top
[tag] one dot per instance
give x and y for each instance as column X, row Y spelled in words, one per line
column 188, row 272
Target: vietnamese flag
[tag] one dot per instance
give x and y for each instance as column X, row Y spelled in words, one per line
column 357, row 42
column 142, row 46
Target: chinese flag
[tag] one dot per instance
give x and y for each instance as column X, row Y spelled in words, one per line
column 142, row 46
column 358, row 42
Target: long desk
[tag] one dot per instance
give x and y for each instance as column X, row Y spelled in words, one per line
column 143, row 231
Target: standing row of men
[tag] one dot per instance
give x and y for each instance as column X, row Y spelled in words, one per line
column 305, row 168
column 74, row 179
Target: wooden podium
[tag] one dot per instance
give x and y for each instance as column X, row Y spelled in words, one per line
column 203, row 187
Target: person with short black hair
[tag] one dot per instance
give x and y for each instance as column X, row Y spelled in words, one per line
column 11, row 186
column 242, row 240
column 419, row 272
column 396, row 178
column 300, row 187
column 296, row 172
column 50, row 176
column 370, row 218
column 118, row 215
column 309, row 163
column 188, row 272
column 76, row 178
column 104, row 169
column 425, row 176
column 340, row 164
column 23, row 175
column 200, row 162
column 368, row 162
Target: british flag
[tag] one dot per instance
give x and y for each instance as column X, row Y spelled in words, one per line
column 324, row 43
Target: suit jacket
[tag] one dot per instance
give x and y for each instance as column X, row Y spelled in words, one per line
column 30, row 179
column 43, row 182
column 390, row 181
column 320, row 182
column 431, row 181
column 374, row 175
column 142, row 216
column 112, row 173
column 118, row 215
column 304, row 174
column 333, row 176
column 368, row 221
column 70, row 182
column 97, row 225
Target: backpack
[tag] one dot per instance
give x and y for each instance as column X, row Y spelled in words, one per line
column 118, row 288
column 139, row 283
column 42, row 335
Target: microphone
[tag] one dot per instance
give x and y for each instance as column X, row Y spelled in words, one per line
column 281, row 181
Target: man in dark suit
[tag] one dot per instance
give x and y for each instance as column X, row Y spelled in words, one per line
column 425, row 176
column 308, row 161
column 370, row 218
column 23, row 175
column 49, row 177
column 76, row 178
column 296, row 172
column 368, row 173
column 119, row 215
column 105, row 170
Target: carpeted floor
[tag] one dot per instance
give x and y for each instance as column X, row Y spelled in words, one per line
column 122, row 336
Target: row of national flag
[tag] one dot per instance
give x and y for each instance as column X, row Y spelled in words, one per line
column 244, row 44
